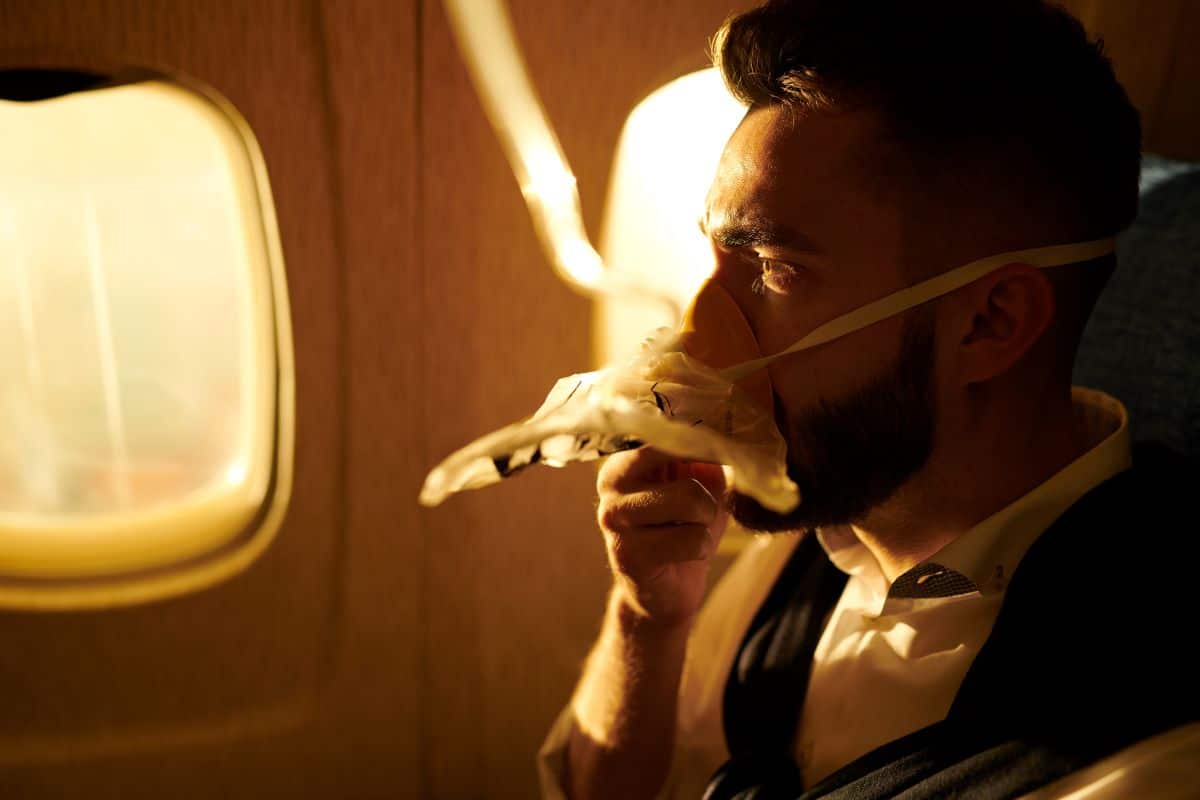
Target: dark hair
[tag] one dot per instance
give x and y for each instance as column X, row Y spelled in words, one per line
column 1011, row 90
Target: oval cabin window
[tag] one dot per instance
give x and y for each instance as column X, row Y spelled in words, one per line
column 145, row 410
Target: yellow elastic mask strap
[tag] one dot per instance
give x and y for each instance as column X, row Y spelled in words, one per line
column 897, row 302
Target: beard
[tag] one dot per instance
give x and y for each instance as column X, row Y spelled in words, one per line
column 851, row 454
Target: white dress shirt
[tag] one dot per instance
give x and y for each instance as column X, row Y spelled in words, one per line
column 891, row 657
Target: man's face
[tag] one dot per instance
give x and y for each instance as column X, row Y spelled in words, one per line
column 801, row 235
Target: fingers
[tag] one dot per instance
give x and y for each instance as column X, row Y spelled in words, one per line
column 632, row 470
column 678, row 502
column 657, row 511
column 643, row 552
column 710, row 476
column 668, row 523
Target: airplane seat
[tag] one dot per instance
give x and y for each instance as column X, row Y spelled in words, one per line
column 1142, row 341
column 1142, row 345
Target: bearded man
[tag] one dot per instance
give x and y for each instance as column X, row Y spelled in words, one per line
column 970, row 597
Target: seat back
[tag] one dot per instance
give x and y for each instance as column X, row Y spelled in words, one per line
column 1142, row 343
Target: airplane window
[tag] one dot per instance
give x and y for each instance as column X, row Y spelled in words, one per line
column 665, row 159
column 144, row 342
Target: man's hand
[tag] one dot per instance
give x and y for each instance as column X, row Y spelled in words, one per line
column 662, row 519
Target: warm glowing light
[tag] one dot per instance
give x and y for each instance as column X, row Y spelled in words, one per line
column 666, row 159
column 489, row 48
column 138, row 333
column 235, row 474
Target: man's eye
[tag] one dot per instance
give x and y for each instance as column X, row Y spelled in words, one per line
column 774, row 275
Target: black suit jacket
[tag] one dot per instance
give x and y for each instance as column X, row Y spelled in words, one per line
column 1089, row 654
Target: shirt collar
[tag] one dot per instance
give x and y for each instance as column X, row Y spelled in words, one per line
column 983, row 559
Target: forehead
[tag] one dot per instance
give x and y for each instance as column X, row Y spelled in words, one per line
column 792, row 169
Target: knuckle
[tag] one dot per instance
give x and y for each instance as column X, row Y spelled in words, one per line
column 616, row 469
column 631, row 469
column 606, row 477
column 609, row 516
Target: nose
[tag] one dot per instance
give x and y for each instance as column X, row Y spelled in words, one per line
column 715, row 332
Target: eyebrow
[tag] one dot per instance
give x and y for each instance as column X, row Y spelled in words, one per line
column 756, row 232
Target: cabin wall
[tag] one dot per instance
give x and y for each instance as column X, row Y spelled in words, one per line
column 1152, row 45
column 299, row 676
column 379, row 649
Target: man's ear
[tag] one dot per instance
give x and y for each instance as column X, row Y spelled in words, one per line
column 1005, row 314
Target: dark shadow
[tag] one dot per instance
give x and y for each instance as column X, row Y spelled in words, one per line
column 32, row 85
column 1142, row 343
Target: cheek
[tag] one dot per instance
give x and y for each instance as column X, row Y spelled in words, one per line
column 800, row 381
column 838, row 368
column 778, row 324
